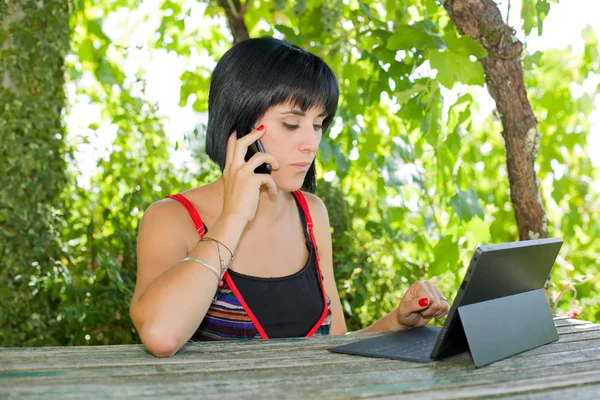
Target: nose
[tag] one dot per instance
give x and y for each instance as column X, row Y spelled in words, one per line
column 310, row 141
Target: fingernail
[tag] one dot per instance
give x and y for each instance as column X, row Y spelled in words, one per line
column 260, row 128
column 424, row 302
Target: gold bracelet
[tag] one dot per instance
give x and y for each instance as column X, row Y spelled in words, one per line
column 204, row 263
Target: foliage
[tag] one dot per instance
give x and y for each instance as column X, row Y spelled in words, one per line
column 413, row 177
column 32, row 50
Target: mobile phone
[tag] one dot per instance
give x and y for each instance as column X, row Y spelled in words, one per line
column 253, row 149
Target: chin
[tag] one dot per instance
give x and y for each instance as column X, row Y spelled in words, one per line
column 289, row 184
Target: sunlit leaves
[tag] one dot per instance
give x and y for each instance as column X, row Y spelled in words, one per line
column 445, row 256
column 420, row 35
column 195, row 83
column 533, row 13
column 454, row 64
column 416, row 178
column 467, row 205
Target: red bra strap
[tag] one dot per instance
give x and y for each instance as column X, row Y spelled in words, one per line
column 302, row 201
column 309, row 223
column 200, row 228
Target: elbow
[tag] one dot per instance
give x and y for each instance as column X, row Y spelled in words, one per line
column 159, row 343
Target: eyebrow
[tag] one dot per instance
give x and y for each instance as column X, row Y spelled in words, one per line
column 302, row 113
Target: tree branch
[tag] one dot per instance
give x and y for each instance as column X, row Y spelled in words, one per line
column 235, row 18
column 482, row 21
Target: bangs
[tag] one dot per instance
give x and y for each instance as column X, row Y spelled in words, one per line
column 303, row 81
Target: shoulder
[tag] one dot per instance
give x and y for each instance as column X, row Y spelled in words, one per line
column 317, row 209
column 164, row 209
column 169, row 208
column 315, row 203
column 166, row 216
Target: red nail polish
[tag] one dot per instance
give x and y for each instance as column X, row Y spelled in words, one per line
column 424, row 302
column 260, row 128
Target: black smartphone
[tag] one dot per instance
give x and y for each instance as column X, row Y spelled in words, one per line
column 253, row 149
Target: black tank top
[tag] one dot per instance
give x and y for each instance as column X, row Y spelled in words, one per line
column 286, row 306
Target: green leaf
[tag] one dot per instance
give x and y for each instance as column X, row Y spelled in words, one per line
column 528, row 15
column 431, row 125
column 466, row 205
column 542, row 9
column 455, row 67
column 533, row 13
column 341, row 161
column 94, row 27
column 86, row 51
column 534, row 59
column 479, row 232
column 400, row 148
column 105, row 73
column 407, row 37
column 286, row 30
column 324, row 153
column 464, row 45
column 405, row 95
column 445, row 255
column 366, row 10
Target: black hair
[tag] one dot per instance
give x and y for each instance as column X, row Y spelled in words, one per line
column 256, row 74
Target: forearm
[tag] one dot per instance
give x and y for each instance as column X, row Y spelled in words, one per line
column 174, row 305
column 387, row 323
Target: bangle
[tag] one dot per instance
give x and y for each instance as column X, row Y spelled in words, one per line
column 207, row 265
column 206, row 238
column 217, row 243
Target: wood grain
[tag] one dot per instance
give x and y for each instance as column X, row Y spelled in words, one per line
column 299, row 368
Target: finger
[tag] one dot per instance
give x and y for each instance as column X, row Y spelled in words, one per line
column 268, row 181
column 427, row 303
column 417, row 300
column 230, row 149
column 437, row 305
column 445, row 305
column 241, row 145
column 261, row 158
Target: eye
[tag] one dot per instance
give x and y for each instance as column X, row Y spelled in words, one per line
column 291, row 127
column 317, row 127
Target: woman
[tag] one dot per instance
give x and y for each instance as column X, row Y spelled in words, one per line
column 249, row 255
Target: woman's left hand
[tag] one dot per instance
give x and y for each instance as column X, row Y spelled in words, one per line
column 420, row 303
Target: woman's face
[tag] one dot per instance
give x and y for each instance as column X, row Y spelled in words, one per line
column 293, row 137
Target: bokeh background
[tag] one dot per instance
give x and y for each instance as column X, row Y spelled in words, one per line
column 103, row 111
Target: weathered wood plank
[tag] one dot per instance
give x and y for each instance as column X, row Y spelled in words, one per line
column 361, row 380
column 581, row 392
column 570, row 322
column 501, row 388
column 566, row 330
column 242, row 359
column 579, row 337
column 294, row 368
column 128, row 353
column 322, row 363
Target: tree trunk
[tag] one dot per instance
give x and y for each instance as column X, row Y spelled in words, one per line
column 481, row 20
column 235, row 17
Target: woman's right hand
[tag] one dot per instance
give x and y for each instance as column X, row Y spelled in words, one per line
column 241, row 184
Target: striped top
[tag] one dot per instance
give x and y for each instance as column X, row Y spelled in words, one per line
column 229, row 316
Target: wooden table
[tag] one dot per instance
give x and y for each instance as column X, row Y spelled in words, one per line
column 299, row 368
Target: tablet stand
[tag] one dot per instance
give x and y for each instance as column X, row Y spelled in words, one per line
column 499, row 328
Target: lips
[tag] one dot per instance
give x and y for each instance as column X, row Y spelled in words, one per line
column 301, row 166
